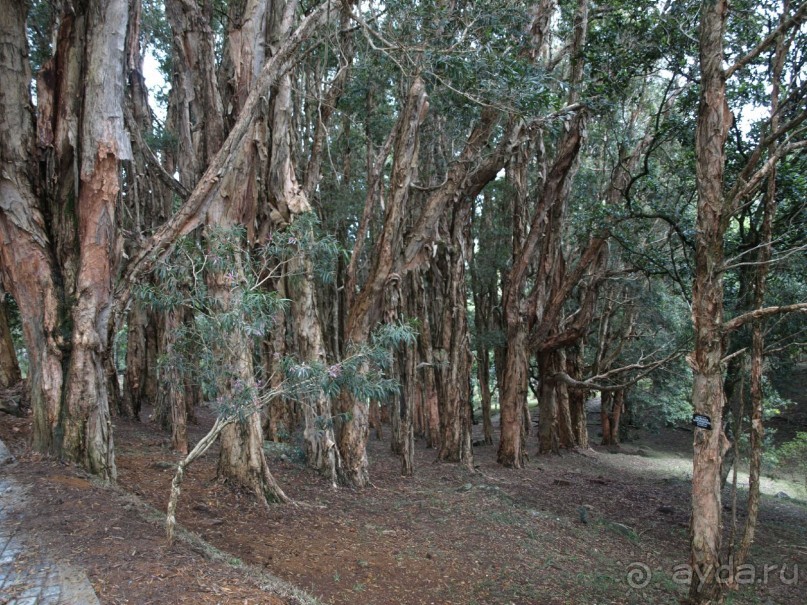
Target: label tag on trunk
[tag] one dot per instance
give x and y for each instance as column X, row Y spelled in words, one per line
column 702, row 421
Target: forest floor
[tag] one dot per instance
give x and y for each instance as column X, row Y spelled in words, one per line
column 585, row 528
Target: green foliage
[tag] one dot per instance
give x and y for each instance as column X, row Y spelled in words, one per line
column 220, row 292
column 363, row 372
column 42, row 16
column 156, row 39
column 664, row 400
column 217, row 289
column 623, row 46
column 793, row 454
column 17, row 337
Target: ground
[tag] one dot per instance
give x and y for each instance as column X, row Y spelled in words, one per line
column 582, row 528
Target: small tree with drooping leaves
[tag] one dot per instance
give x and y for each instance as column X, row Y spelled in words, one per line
column 205, row 351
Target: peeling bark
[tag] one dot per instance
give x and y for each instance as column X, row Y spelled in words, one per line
column 365, row 309
column 714, row 120
column 757, row 336
column 82, row 137
column 148, row 196
column 453, row 371
column 520, row 314
column 512, row 399
column 319, row 437
column 9, row 368
column 29, row 271
column 242, row 460
column 577, row 397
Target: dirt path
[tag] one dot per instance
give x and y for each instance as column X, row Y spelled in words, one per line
column 119, row 541
column 29, row 576
column 565, row 530
column 448, row 536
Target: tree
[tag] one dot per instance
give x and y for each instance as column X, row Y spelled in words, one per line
column 59, row 243
column 60, row 214
column 9, row 367
column 715, row 207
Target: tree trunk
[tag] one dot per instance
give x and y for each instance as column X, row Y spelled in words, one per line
column 197, row 101
column 757, row 334
column 9, row 368
column 512, row 398
column 148, row 201
column 29, row 272
column 613, row 403
column 483, row 375
column 173, row 397
column 483, row 287
column 85, row 132
column 577, row 397
column 549, row 436
column 87, row 425
column 714, row 119
column 520, row 314
column 376, row 424
column 606, row 405
column 243, row 462
column 427, row 382
column 141, row 378
column 241, row 458
column 398, row 305
column 281, row 413
column 319, row 438
column 453, row 372
column 568, row 437
column 194, row 102
column 365, row 308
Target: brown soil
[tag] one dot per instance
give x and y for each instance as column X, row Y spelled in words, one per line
column 445, row 536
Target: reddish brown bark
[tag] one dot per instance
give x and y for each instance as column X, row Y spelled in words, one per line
column 9, row 368
column 612, row 406
column 758, row 338
column 577, row 397
column 518, row 316
column 398, row 304
column 28, row 267
column 243, row 462
column 148, row 195
column 714, row 119
column 192, row 213
column 318, row 435
column 365, row 309
column 83, row 134
column 485, row 291
column 453, row 375
column 483, row 376
column 242, row 458
column 512, row 398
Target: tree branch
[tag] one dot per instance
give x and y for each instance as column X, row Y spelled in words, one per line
column 797, row 18
column 192, row 212
column 168, row 180
column 589, row 383
column 743, row 319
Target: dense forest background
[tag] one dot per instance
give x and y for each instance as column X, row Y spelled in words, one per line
column 322, row 218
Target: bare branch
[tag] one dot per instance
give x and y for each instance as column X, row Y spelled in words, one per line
column 728, row 358
column 192, row 212
column 743, row 319
column 589, row 383
column 796, row 20
column 771, row 350
column 770, row 261
column 168, row 180
column 744, row 188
